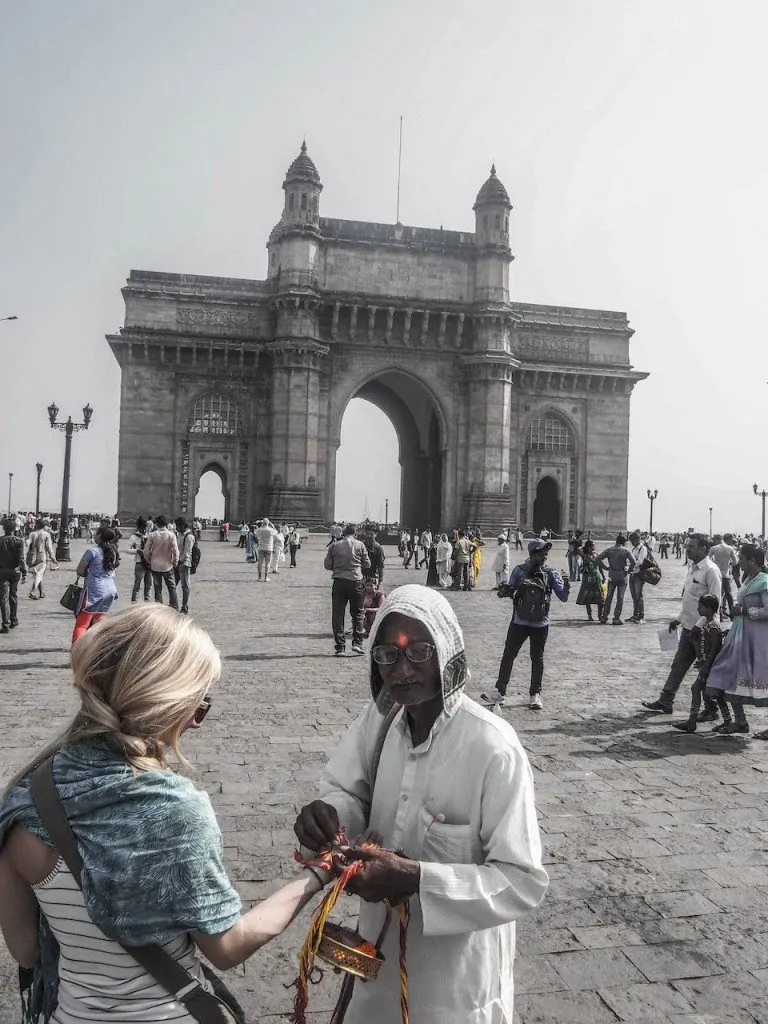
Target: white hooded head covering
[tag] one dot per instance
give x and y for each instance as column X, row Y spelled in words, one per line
column 434, row 611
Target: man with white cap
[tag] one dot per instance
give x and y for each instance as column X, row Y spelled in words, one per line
column 530, row 586
column 452, row 793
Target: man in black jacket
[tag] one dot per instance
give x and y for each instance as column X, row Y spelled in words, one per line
column 12, row 569
column 377, row 557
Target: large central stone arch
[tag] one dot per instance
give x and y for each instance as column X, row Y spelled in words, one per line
column 421, row 425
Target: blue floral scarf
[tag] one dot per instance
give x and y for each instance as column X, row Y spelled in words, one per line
column 152, row 857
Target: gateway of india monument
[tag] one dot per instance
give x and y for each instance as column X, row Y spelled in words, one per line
column 506, row 412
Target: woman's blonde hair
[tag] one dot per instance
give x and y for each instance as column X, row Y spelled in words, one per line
column 140, row 676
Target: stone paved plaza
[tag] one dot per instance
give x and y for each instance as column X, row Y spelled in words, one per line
column 656, row 841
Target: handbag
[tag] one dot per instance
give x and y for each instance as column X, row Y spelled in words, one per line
column 71, row 599
column 217, row 1007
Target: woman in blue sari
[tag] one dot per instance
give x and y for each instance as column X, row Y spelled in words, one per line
column 741, row 669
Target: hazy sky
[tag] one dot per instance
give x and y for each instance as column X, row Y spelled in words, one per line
column 630, row 135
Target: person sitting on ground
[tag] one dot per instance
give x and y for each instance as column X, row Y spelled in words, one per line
column 150, row 845
column 453, row 795
column 372, row 601
column 707, row 637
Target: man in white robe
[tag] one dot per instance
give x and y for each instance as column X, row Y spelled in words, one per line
column 453, row 793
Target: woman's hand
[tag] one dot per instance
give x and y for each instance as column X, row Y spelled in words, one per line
column 737, row 610
column 383, row 876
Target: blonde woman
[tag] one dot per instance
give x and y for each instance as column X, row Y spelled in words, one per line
column 149, row 841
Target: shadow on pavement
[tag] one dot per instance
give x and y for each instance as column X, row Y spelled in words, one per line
column 649, row 743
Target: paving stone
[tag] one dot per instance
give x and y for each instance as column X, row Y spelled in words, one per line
column 726, row 993
column 537, row 974
column 641, row 1002
column 681, row 904
column 608, row 935
column 564, row 1008
column 590, row 968
column 666, row 961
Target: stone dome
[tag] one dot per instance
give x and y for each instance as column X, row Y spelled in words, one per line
column 302, row 169
column 492, row 192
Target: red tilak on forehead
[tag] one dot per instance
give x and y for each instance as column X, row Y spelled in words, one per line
column 402, row 640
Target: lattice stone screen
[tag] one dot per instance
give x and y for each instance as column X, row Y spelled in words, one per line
column 214, row 413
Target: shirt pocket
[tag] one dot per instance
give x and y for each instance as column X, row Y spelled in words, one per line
column 446, row 843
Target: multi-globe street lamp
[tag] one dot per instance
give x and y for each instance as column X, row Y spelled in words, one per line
column 652, row 496
column 10, row 490
column 761, row 494
column 69, row 428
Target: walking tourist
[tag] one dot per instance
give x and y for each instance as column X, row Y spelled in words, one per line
column 476, row 542
column 143, row 678
column 453, row 795
column 13, row 570
column 97, row 567
column 664, row 545
column 183, row 570
column 278, row 551
column 501, row 561
column 161, row 552
column 243, row 534
column 443, row 558
column 265, row 536
column 592, row 581
column 376, row 557
column 707, row 637
column 251, row 544
column 574, row 557
column 740, row 672
column 723, row 554
column 142, row 574
column 347, row 559
column 530, row 586
column 703, row 578
column 518, row 540
column 294, row 544
column 462, row 554
column 425, row 544
column 636, row 581
column 411, row 549
column 620, row 563
column 39, row 553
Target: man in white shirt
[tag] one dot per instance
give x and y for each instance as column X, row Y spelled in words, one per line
column 703, row 578
column 723, row 554
column 265, row 535
column 453, row 793
column 639, row 552
column 425, row 543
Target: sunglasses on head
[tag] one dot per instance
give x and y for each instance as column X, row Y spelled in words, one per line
column 203, row 709
column 387, row 654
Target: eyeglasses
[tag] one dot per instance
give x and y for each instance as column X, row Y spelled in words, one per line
column 203, row 709
column 387, row 654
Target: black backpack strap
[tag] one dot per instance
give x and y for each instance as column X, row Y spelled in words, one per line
column 166, row 971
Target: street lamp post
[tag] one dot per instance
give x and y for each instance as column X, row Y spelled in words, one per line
column 386, row 515
column 69, row 428
column 761, row 494
column 39, row 468
column 10, row 490
column 652, row 496
column 710, row 520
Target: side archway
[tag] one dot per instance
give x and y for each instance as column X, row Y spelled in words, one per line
column 549, row 473
column 215, row 441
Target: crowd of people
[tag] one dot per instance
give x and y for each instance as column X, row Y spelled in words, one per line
column 428, row 795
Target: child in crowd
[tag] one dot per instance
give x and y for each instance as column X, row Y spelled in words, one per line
column 707, row 637
column 373, row 600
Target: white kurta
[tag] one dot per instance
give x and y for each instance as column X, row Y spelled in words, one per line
column 462, row 804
